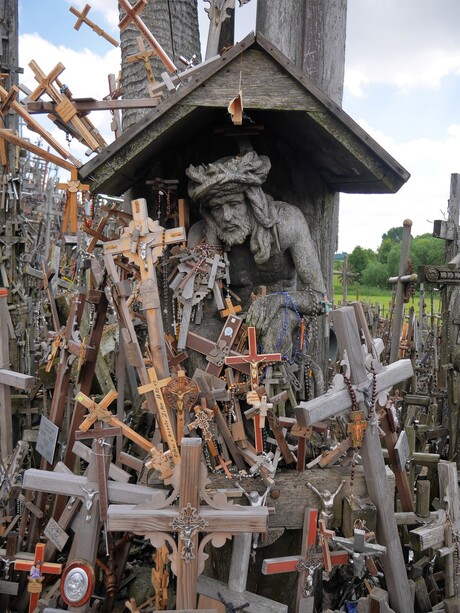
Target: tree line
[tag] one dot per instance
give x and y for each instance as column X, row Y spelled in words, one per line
column 373, row 268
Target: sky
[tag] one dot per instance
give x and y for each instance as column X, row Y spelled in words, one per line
column 402, row 85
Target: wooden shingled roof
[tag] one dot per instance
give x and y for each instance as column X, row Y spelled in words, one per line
column 275, row 93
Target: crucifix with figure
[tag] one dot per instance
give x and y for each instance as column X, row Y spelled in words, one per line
column 143, row 242
column 218, row 520
column 253, row 358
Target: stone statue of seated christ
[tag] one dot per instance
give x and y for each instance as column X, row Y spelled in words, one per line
column 269, row 245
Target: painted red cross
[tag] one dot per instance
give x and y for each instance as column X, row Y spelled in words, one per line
column 253, row 358
column 37, row 568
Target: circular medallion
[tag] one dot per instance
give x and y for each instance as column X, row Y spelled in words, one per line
column 77, row 583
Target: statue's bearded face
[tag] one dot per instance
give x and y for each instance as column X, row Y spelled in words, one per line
column 231, row 216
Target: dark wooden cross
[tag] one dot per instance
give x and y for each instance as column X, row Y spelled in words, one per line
column 311, row 558
column 188, row 519
column 82, row 18
column 132, row 15
column 253, row 358
column 37, row 569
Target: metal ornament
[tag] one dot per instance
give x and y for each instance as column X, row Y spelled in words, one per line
column 77, row 583
column 188, row 524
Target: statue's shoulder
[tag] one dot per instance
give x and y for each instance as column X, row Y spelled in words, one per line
column 290, row 219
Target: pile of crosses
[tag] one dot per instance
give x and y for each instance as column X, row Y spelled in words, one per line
column 136, row 446
column 120, row 454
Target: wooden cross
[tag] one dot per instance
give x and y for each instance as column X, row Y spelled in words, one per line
column 155, row 386
column 231, row 309
column 8, row 379
column 143, row 242
column 181, row 393
column 258, row 413
column 187, row 520
column 359, row 548
column 217, row 352
column 82, row 18
column 37, row 569
column 132, row 15
column 64, row 108
column 72, row 187
column 36, row 127
column 203, row 417
column 306, row 563
column 253, row 358
column 347, row 332
column 211, row 388
column 144, row 56
column 98, row 414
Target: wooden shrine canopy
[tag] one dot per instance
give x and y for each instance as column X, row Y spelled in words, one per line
column 277, row 96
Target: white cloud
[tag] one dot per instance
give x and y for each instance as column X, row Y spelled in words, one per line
column 364, row 218
column 407, row 44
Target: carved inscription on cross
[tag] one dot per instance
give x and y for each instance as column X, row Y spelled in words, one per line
column 37, row 570
column 167, row 431
column 188, row 519
column 253, row 358
column 143, row 242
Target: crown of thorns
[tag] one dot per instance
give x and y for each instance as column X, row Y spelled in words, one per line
column 208, row 180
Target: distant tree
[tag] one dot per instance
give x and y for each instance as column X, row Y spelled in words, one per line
column 375, row 275
column 425, row 250
column 395, row 234
column 385, row 247
column 359, row 258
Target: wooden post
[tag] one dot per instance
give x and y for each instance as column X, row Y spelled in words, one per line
column 399, row 302
column 346, row 329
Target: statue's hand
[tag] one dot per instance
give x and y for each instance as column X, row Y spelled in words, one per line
column 262, row 311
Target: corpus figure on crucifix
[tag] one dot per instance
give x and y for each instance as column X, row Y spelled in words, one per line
column 270, row 244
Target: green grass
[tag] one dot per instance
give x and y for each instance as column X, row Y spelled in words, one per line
column 374, row 295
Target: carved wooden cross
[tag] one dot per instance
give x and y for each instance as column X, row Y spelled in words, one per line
column 82, row 18
column 219, row 521
column 8, row 379
column 231, row 308
column 143, row 56
column 132, row 15
column 258, row 413
column 306, row 563
column 72, row 187
column 166, row 428
column 346, row 329
column 101, row 412
column 37, row 569
column 253, row 358
column 98, row 415
column 181, row 393
column 64, row 107
column 143, row 242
